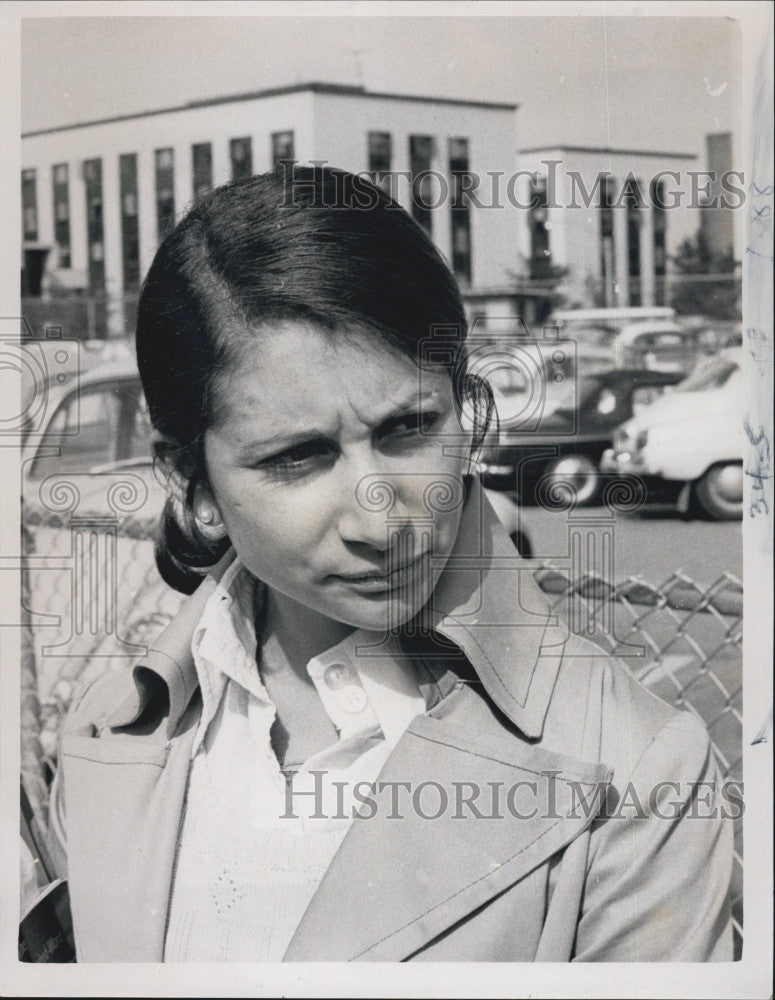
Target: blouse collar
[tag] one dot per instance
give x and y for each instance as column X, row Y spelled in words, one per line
column 486, row 602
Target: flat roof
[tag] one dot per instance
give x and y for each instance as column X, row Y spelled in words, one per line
column 611, row 150
column 337, row 89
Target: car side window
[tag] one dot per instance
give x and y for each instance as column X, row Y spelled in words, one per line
column 84, row 428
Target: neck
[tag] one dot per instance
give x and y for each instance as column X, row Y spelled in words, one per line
column 298, row 632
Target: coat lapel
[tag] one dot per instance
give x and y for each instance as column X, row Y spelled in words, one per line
column 396, row 884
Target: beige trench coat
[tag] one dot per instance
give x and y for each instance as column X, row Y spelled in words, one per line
column 610, row 847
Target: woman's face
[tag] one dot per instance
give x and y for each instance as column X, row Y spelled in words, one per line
column 320, row 460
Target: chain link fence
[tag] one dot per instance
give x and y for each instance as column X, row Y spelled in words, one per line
column 683, row 642
column 93, row 599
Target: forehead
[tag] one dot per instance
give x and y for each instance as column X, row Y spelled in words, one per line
column 292, row 371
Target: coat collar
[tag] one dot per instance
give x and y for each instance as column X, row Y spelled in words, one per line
column 486, row 602
column 489, row 605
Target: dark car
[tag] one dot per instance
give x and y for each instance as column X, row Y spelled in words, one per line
column 585, row 398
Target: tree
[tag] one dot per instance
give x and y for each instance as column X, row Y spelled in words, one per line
column 705, row 289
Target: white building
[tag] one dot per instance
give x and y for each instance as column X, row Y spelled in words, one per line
column 611, row 217
column 102, row 194
column 97, row 197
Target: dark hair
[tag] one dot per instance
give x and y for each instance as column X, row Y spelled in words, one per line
column 303, row 243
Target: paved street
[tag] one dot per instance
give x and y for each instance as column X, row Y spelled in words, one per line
column 650, row 544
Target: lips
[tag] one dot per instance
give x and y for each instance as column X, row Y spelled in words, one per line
column 372, row 582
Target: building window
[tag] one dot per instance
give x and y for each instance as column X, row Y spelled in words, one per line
column 420, row 160
column 29, row 205
column 61, row 190
column 540, row 250
column 657, row 201
column 607, row 246
column 632, row 203
column 282, row 147
column 241, row 153
column 459, row 169
column 130, row 235
column 380, row 159
column 92, row 175
column 202, row 160
column 165, row 192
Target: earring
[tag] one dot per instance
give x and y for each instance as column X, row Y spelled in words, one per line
column 206, row 515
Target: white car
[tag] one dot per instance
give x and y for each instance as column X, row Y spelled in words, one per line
column 690, row 440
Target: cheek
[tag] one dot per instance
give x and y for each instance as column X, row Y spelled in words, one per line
column 269, row 527
column 432, row 503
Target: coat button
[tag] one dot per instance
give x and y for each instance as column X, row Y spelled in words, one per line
column 336, row 676
column 353, row 699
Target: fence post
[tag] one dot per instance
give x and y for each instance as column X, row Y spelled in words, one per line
column 31, row 749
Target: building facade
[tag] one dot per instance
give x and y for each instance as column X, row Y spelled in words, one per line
column 598, row 224
column 718, row 224
column 609, row 219
column 100, row 196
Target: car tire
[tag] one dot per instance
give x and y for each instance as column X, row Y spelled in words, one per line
column 719, row 492
column 576, row 471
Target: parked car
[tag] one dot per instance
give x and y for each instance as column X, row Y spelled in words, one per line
column 690, row 440
column 648, row 337
column 583, row 400
column 92, row 419
column 656, row 345
column 713, row 335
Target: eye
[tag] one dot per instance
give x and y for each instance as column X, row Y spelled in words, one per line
column 299, row 458
column 410, row 424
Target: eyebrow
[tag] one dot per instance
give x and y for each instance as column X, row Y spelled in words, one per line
column 288, row 440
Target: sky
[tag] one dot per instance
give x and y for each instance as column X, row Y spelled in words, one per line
column 658, row 83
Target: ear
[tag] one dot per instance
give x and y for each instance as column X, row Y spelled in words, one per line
column 207, row 514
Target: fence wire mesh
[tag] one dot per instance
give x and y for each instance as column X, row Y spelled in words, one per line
column 683, row 642
column 93, row 599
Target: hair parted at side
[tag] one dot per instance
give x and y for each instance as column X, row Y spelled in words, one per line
column 303, row 243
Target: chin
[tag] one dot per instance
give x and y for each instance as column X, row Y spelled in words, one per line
column 385, row 615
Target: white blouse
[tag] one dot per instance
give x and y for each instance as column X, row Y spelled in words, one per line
column 252, row 847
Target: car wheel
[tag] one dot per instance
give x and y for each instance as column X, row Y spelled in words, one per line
column 578, row 472
column 720, row 491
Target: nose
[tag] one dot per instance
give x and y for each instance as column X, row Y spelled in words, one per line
column 373, row 512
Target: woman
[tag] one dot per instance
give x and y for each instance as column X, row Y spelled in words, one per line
column 363, row 737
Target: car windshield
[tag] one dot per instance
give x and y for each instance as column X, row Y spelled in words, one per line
column 712, row 374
